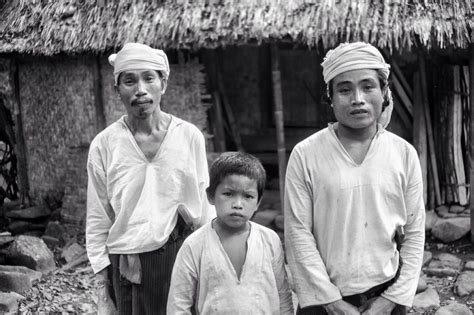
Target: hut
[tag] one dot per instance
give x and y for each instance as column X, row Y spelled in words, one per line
column 260, row 64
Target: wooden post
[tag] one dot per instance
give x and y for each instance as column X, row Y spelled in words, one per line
column 471, row 146
column 429, row 129
column 279, row 122
column 20, row 149
column 419, row 133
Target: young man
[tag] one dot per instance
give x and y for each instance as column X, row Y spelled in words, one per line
column 232, row 265
column 147, row 179
column 351, row 190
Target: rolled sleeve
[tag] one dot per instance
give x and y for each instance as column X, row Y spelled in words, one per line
column 98, row 221
column 311, row 281
column 411, row 252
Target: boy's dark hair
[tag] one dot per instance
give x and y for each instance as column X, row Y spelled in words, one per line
column 236, row 163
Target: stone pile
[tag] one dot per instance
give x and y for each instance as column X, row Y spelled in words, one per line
column 25, row 259
column 452, row 272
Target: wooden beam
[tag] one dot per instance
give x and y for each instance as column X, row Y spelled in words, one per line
column 20, row 148
column 279, row 122
column 405, row 100
column 419, row 133
column 429, row 130
column 401, row 77
column 471, row 147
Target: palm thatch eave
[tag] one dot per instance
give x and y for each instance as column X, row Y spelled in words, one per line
column 51, row 27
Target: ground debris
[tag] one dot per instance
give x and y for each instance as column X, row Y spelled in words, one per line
column 65, row 291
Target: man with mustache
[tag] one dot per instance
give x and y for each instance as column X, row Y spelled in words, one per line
column 147, row 179
column 354, row 210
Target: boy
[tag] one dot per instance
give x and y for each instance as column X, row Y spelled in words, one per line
column 231, row 265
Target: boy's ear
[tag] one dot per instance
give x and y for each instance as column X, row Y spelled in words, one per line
column 210, row 197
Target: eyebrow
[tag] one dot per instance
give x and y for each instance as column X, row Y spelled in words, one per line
column 365, row 80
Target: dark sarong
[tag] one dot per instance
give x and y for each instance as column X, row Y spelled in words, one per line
column 151, row 295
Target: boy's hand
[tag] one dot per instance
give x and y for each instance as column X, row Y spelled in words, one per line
column 341, row 307
column 378, row 305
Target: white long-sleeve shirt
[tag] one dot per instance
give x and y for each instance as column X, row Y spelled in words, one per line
column 204, row 277
column 132, row 203
column 341, row 218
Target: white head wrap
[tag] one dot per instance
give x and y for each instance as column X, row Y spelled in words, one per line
column 353, row 56
column 356, row 56
column 135, row 56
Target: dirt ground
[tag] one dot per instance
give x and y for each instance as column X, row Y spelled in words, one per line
column 74, row 290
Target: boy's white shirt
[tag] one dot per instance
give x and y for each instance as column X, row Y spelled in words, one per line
column 204, row 276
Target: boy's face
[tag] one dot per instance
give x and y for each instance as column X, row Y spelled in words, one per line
column 236, row 200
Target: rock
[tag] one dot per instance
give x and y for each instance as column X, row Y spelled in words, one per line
column 449, row 230
column 50, row 241
column 446, row 260
column 469, row 265
column 444, row 265
column 31, row 252
column 443, row 209
column 426, row 300
column 9, row 302
column 29, row 213
column 280, row 222
column 427, row 256
column 465, row 283
column 5, row 240
column 454, row 308
column 57, row 230
column 422, row 286
column 265, row 217
column 12, row 205
column 14, row 281
column 431, row 218
column 32, row 274
column 19, row 227
column 456, row 209
column 72, row 252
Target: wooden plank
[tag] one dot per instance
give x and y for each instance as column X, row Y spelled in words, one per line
column 219, row 124
column 419, row 133
column 406, row 102
column 460, row 179
column 20, row 148
column 471, row 147
column 429, row 130
column 279, row 122
column 229, row 113
column 401, row 77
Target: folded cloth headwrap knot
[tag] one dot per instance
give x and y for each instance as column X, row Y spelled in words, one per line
column 356, row 56
column 353, row 56
column 135, row 56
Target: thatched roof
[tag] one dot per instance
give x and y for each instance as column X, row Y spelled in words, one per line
column 48, row 27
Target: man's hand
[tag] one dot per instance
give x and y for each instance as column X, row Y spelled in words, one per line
column 341, row 307
column 378, row 305
column 105, row 305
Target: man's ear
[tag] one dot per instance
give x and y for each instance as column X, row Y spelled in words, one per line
column 210, row 197
column 164, row 85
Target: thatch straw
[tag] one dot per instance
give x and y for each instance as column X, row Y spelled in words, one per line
column 49, row 27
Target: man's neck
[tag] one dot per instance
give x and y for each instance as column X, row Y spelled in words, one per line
column 157, row 121
column 355, row 135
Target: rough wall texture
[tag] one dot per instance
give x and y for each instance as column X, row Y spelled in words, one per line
column 62, row 105
column 59, row 120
